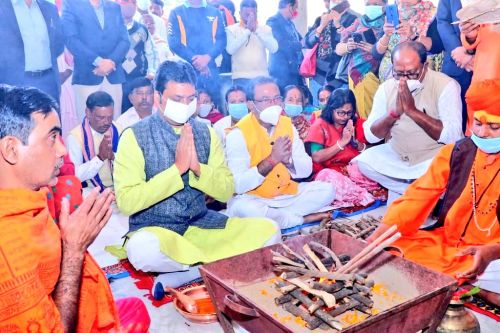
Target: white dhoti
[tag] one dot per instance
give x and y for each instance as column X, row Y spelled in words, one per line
column 384, row 166
column 287, row 210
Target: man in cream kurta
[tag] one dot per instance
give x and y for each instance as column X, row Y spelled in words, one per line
column 91, row 147
column 165, row 166
column 264, row 153
column 417, row 114
column 90, row 144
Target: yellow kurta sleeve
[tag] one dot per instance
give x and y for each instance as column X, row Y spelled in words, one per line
column 411, row 210
column 133, row 192
column 216, row 180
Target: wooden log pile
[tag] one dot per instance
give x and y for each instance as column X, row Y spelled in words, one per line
column 319, row 285
column 360, row 229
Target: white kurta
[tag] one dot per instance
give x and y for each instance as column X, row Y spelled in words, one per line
column 383, row 165
column 287, row 210
column 220, row 128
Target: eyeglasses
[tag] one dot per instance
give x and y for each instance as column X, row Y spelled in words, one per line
column 343, row 113
column 270, row 100
column 409, row 75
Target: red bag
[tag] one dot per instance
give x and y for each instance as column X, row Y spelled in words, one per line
column 308, row 66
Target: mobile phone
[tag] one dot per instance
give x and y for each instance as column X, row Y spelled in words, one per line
column 392, row 15
column 357, row 37
column 341, row 7
column 369, row 36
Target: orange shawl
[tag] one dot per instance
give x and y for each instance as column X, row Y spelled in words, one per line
column 30, row 256
column 437, row 249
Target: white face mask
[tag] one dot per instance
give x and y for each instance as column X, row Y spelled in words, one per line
column 205, row 110
column 271, row 115
column 415, row 86
column 179, row 112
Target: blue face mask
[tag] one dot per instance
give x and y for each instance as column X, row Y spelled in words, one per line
column 309, row 109
column 373, row 12
column 489, row 146
column 293, row 110
column 237, row 111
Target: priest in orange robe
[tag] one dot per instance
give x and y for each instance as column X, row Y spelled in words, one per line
column 465, row 242
column 48, row 281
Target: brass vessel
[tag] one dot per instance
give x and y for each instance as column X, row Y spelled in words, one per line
column 458, row 319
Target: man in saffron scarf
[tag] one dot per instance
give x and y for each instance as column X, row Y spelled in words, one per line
column 93, row 143
column 49, row 283
column 465, row 242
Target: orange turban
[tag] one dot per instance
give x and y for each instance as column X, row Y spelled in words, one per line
column 484, row 96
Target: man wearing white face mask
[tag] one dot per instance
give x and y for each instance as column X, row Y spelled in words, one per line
column 164, row 167
column 417, row 111
column 265, row 153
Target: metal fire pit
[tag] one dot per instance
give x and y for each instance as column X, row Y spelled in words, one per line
column 242, row 290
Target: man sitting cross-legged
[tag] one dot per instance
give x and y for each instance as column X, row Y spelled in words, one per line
column 49, row 282
column 164, row 167
column 264, row 152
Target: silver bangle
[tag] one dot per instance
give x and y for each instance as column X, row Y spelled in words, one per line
column 341, row 148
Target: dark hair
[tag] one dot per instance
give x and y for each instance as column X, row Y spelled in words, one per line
column 234, row 89
column 17, row 106
column 200, row 91
column 337, row 99
column 284, row 3
column 418, row 47
column 258, row 81
column 325, row 88
column 99, row 99
column 139, row 82
column 176, row 71
column 248, row 4
column 291, row 87
column 306, row 94
column 157, row 2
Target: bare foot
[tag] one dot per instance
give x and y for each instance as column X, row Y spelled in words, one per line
column 316, row 217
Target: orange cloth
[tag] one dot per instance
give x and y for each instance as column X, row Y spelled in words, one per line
column 487, row 58
column 482, row 96
column 30, row 248
column 278, row 181
column 484, row 91
column 436, row 249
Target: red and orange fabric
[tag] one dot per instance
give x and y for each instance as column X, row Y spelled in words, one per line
column 30, row 245
column 437, row 249
column 327, row 135
column 484, row 91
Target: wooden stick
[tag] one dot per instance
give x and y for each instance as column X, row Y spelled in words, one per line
column 369, row 248
column 326, row 275
column 311, row 322
column 329, row 288
column 370, row 255
column 298, row 256
column 283, row 299
column 343, row 308
column 329, row 299
column 332, row 254
column 314, row 258
column 323, row 315
column 362, row 299
column 285, row 260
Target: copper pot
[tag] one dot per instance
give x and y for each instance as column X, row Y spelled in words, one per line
column 458, row 319
column 196, row 293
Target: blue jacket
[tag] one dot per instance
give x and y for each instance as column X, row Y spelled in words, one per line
column 86, row 40
column 196, row 31
column 450, row 34
column 12, row 56
column 286, row 61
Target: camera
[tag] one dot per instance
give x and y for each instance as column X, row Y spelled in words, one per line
column 357, row 37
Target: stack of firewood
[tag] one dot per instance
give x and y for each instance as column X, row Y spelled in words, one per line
column 317, row 290
column 361, row 229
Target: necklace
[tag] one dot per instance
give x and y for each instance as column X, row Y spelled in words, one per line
column 474, row 206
